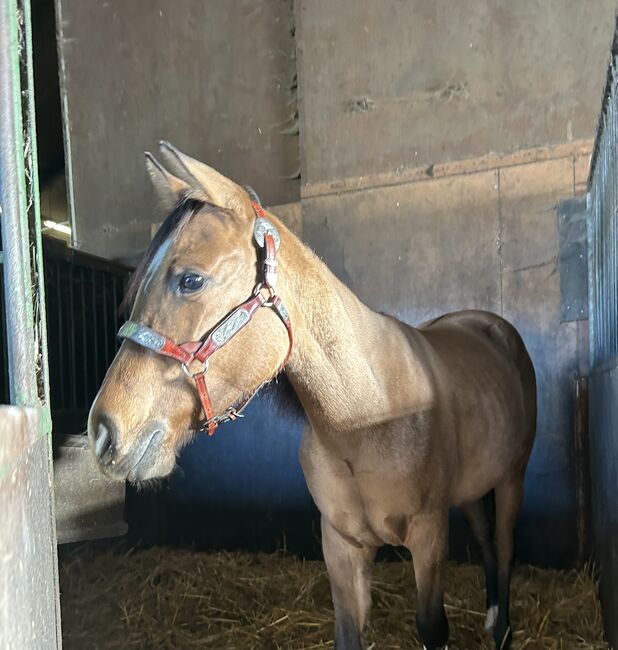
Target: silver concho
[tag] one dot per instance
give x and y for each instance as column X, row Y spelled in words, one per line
column 229, row 327
column 262, row 226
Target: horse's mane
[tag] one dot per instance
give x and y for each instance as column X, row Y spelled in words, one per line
column 175, row 221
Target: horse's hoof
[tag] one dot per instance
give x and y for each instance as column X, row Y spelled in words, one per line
column 491, row 618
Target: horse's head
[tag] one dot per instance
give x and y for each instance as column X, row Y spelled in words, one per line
column 200, row 266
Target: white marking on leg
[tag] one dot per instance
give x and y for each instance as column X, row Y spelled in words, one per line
column 491, row 618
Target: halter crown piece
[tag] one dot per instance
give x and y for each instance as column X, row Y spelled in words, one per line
column 267, row 239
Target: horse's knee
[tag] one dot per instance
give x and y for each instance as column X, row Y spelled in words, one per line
column 432, row 626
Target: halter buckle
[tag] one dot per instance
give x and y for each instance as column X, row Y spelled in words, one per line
column 272, row 294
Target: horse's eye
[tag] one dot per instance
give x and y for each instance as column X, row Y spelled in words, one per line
column 191, row 282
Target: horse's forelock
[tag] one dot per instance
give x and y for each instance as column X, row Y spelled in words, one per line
column 174, row 222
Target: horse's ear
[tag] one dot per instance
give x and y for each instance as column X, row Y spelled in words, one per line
column 169, row 188
column 219, row 190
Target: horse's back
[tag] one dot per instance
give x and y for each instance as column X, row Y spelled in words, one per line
column 496, row 329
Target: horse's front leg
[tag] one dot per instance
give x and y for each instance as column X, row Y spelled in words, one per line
column 427, row 540
column 349, row 569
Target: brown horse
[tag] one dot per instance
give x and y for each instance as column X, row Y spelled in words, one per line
column 404, row 422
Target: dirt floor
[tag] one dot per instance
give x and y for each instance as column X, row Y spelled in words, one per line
column 173, row 598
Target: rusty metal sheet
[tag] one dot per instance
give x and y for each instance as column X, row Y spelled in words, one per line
column 414, row 250
column 572, row 222
column 211, row 79
column 27, row 553
column 388, row 85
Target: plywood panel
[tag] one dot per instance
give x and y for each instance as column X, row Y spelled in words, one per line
column 531, row 300
column 529, row 220
column 388, row 85
column 211, row 77
column 413, row 250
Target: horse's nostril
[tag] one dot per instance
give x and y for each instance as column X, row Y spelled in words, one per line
column 104, row 441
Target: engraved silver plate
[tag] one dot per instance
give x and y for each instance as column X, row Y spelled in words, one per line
column 262, row 226
column 230, row 326
column 142, row 335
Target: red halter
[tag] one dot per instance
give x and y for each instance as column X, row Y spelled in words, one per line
column 267, row 238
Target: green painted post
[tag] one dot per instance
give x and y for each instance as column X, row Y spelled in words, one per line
column 22, row 265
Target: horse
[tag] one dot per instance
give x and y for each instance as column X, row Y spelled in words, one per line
column 403, row 423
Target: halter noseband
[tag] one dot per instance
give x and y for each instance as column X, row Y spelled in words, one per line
column 267, row 239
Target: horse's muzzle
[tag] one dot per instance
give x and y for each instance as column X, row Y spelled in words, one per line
column 132, row 462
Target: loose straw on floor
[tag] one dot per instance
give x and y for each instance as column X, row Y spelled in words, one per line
column 168, row 598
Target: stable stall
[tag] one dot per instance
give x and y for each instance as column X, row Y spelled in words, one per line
column 431, row 169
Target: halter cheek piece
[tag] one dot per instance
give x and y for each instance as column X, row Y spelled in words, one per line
column 267, row 239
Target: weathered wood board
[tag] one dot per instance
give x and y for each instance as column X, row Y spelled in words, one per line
column 212, row 79
column 28, row 573
column 413, row 250
column 488, row 241
column 388, row 85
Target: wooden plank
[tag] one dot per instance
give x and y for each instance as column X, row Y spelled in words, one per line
column 529, row 223
column 531, row 300
column 582, row 170
column 580, row 150
column 291, row 215
column 88, row 504
column 214, row 81
column 414, row 250
column 28, row 594
column 391, row 85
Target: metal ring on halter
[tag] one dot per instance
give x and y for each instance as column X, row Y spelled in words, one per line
column 272, row 294
column 193, row 375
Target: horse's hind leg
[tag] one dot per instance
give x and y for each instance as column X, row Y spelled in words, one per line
column 349, row 569
column 427, row 540
column 479, row 519
column 508, row 501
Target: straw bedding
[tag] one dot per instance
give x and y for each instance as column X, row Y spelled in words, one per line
column 172, row 598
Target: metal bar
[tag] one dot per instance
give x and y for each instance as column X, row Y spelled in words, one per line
column 72, row 354
column 105, row 321
column 95, row 326
column 15, row 229
column 25, row 312
column 84, row 351
column 61, row 387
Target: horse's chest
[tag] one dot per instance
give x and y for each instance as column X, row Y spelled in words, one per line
column 365, row 504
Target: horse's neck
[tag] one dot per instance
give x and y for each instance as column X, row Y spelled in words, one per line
column 350, row 366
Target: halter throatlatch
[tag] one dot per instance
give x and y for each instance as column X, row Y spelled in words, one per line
column 188, row 354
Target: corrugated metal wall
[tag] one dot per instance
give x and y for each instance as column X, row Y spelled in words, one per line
column 603, row 308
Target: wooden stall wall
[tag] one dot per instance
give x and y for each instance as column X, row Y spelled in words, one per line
column 215, row 78
column 401, row 198
column 400, row 105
